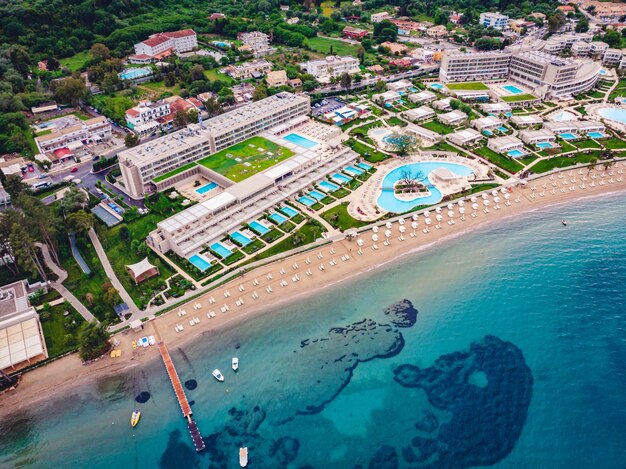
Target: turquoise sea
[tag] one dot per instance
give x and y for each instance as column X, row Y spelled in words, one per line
column 516, row 359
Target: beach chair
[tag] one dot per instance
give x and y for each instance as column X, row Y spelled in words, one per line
column 180, row 327
column 208, row 315
column 321, row 267
column 269, row 276
column 295, row 266
column 192, row 322
column 197, row 320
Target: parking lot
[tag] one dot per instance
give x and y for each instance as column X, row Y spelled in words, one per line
column 327, row 105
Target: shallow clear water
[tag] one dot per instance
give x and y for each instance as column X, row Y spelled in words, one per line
column 615, row 114
column 542, row 307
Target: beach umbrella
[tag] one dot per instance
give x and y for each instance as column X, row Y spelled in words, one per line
column 496, row 200
column 438, row 210
column 486, row 203
column 450, row 214
column 375, row 229
column 485, row 196
column 462, row 212
column 401, row 220
column 374, row 237
column 388, row 234
column 388, row 225
column 415, row 217
column 474, row 206
column 439, row 218
column 414, row 225
column 494, row 193
column 461, row 203
column 428, row 221
column 402, row 229
column 473, row 199
column 359, row 242
column 427, row 213
column 450, row 206
column 507, row 196
column 504, row 190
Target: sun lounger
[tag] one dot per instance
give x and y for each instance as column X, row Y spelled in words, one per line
column 192, row 322
column 269, row 276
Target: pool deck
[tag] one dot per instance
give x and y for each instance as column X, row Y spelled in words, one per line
column 593, row 111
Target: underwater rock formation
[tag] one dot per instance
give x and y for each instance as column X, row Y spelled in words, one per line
column 402, row 313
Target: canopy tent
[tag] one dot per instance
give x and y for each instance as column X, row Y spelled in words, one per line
column 142, row 270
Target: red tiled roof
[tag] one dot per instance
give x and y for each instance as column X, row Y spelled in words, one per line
column 180, row 104
column 133, row 112
column 140, row 56
column 63, row 152
column 195, row 102
column 181, row 33
column 155, row 40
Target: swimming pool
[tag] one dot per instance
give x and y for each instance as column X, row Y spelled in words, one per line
column 220, row 250
column 380, row 131
column 508, row 114
column 568, row 136
column 364, row 166
column 596, row 135
column 300, row 141
column 200, row 262
column 352, row 171
column 277, row 218
column 206, row 188
column 488, row 133
column 305, row 200
column 513, row 89
column 436, row 86
column 615, row 114
column 134, row 73
column 258, row 227
column 221, row 44
column 503, row 129
column 515, row 153
column 328, row 186
column 387, row 199
column 240, row 238
column 544, row 144
column 287, row 210
column 317, row 195
column 340, row 178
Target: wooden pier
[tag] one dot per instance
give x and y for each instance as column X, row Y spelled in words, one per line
column 196, row 437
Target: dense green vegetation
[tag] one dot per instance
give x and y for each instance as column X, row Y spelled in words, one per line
column 504, row 162
column 339, row 217
column 60, row 331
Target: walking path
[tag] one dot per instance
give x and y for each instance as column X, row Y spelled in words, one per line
column 104, row 260
column 76, row 253
column 57, row 284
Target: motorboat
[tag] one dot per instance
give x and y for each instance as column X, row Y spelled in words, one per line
column 235, row 363
column 134, row 419
column 217, row 375
column 243, row 456
column 151, row 340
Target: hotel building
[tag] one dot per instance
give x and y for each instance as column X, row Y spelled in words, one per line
column 159, row 45
column 257, row 41
column 459, row 66
column 494, row 20
column 146, row 112
column 141, row 164
column 331, row 67
column 89, row 131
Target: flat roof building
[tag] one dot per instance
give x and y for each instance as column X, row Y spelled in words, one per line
column 419, row 114
column 505, row 144
column 476, row 66
column 455, row 117
column 532, row 137
column 331, row 67
column 80, row 132
column 465, row 137
column 487, row 123
column 525, row 121
column 422, row 97
column 494, row 20
column 141, row 164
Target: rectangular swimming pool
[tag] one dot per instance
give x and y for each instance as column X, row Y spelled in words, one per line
column 340, row 178
column 206, row 188
column 287, row 210
column 316, row 195
column 596, row 135
column 258, row 227
column 328, row 186
column 488, row 133
column 503, row 129
column 300, row 141
column 240, row 238
column 544, row 145
column 436, row 86
column 352, row 171
column 513, row 89
column 220, row 250
column 199, row 261
column 364, row 166
column 305, row 200
column 277, row 218
column 568, row 136
column 516, row 153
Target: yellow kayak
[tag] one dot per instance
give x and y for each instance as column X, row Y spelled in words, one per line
column 134, row 420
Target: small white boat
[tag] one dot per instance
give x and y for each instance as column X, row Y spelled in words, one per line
column 235, row 363
column 243, row 456
column 151, row 340
column 217, row 375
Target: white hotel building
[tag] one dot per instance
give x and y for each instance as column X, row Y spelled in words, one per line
column 141, row 164
column 89, row 131
column 159, row 44
column 460, row 66
column 331, row 67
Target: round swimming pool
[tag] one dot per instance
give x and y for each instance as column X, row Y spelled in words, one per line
column 614, row 114
column 388, row 201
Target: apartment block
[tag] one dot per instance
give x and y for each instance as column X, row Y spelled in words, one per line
column 141, row 164
column 331, row 67
column 460, row 66
column 257, row 41
column 494, row 20
column 612, row 57
column 378, row 17
column 252, row 69
column 146, row 112
column 89, row 131
column 161, row 44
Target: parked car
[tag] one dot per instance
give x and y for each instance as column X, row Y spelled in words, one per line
column 42, row 176
column 74, row 169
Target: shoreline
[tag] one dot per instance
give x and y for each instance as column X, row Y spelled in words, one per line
column 60, row 376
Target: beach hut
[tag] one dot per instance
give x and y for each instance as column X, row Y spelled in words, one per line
column 142, row 270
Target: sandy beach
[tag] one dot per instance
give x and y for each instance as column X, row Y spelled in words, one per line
column 307, row 273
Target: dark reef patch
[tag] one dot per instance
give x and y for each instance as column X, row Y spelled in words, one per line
column 428, row 423
column 142, row 397
column 177, row 453
column 191, row 384
column 486, row 421
column 402, row 313
column 384, row 458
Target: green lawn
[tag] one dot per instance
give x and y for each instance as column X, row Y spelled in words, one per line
column 613, row 144
column 244, row 159
column 159, row 87
column 322, row 45
column 519, row 97
column 586, row 144
column 308, row 233
column 76, row 62
column 114, row 107
column 396, row 121
column 469, row 86
column 508, row 164
column 213, row 75
column 483, row 187
column 443, row 146
column 61, row 332
column 369, row 154
column 339, row 217
column 561, row 162
column 438, row 127
column 174, row 172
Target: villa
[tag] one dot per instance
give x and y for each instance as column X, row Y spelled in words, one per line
column 276, row 78
column 399, row 86
column 496, row 108
column 252, row 69
column 419, row 114
column 395, row 48
column 422, row 97
column 575, row 127
column 533, row 137
column 425, row 135
column 331, row 67
column 487, row 123
column 505, row 144
column 526, row 121
column 388, row 97
column 465, row 137
column 142, row 118
column 442, row 104
column 378, row 17
column 494, row 20
column 257, row 42
column 161, row 45
column 455, row 117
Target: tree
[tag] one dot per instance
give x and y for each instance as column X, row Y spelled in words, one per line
column 556, row 21
column 131, row 140
column 212, row 106
column 612, row 38
column 346, row 80
column 81, row 221
column 25, row 252
column 402, row 144
column 360, row 53
column 93, row 340
column 73, row 200
column 582, row 26
column 40, row 221
column 124, row 233
column 109, row 294
column 385, row 31
column 410, row 180
column 170, row 79
column 259, row 93
column 100, row 52
column 14, row 186
column 181, row 118
column 70, row 91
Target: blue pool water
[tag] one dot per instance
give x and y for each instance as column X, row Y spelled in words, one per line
column 300, row 140
column 413, row 90
column 134, row 73
column 516, row 153
column 317, row 195
column 436, row 86
column 308, row 201
column 200, row 262
column 503, row 129
column 513, row 89
column 508, row 114
column 328, row 186
column 287, row 210
column 596, row 135
column 277, row 218
column 221, row 44
column 615, row 114
column 206, row 188
column 221, row 250
column 340, row 178
column 387, row 199
column 353, row 171
column 240, row 238
column 364, row 166
column 488, row 133
column 544, row 145
column 568, row 136
column 258, row 227
column 542, row 386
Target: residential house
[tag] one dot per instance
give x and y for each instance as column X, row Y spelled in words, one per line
column 276, row 78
